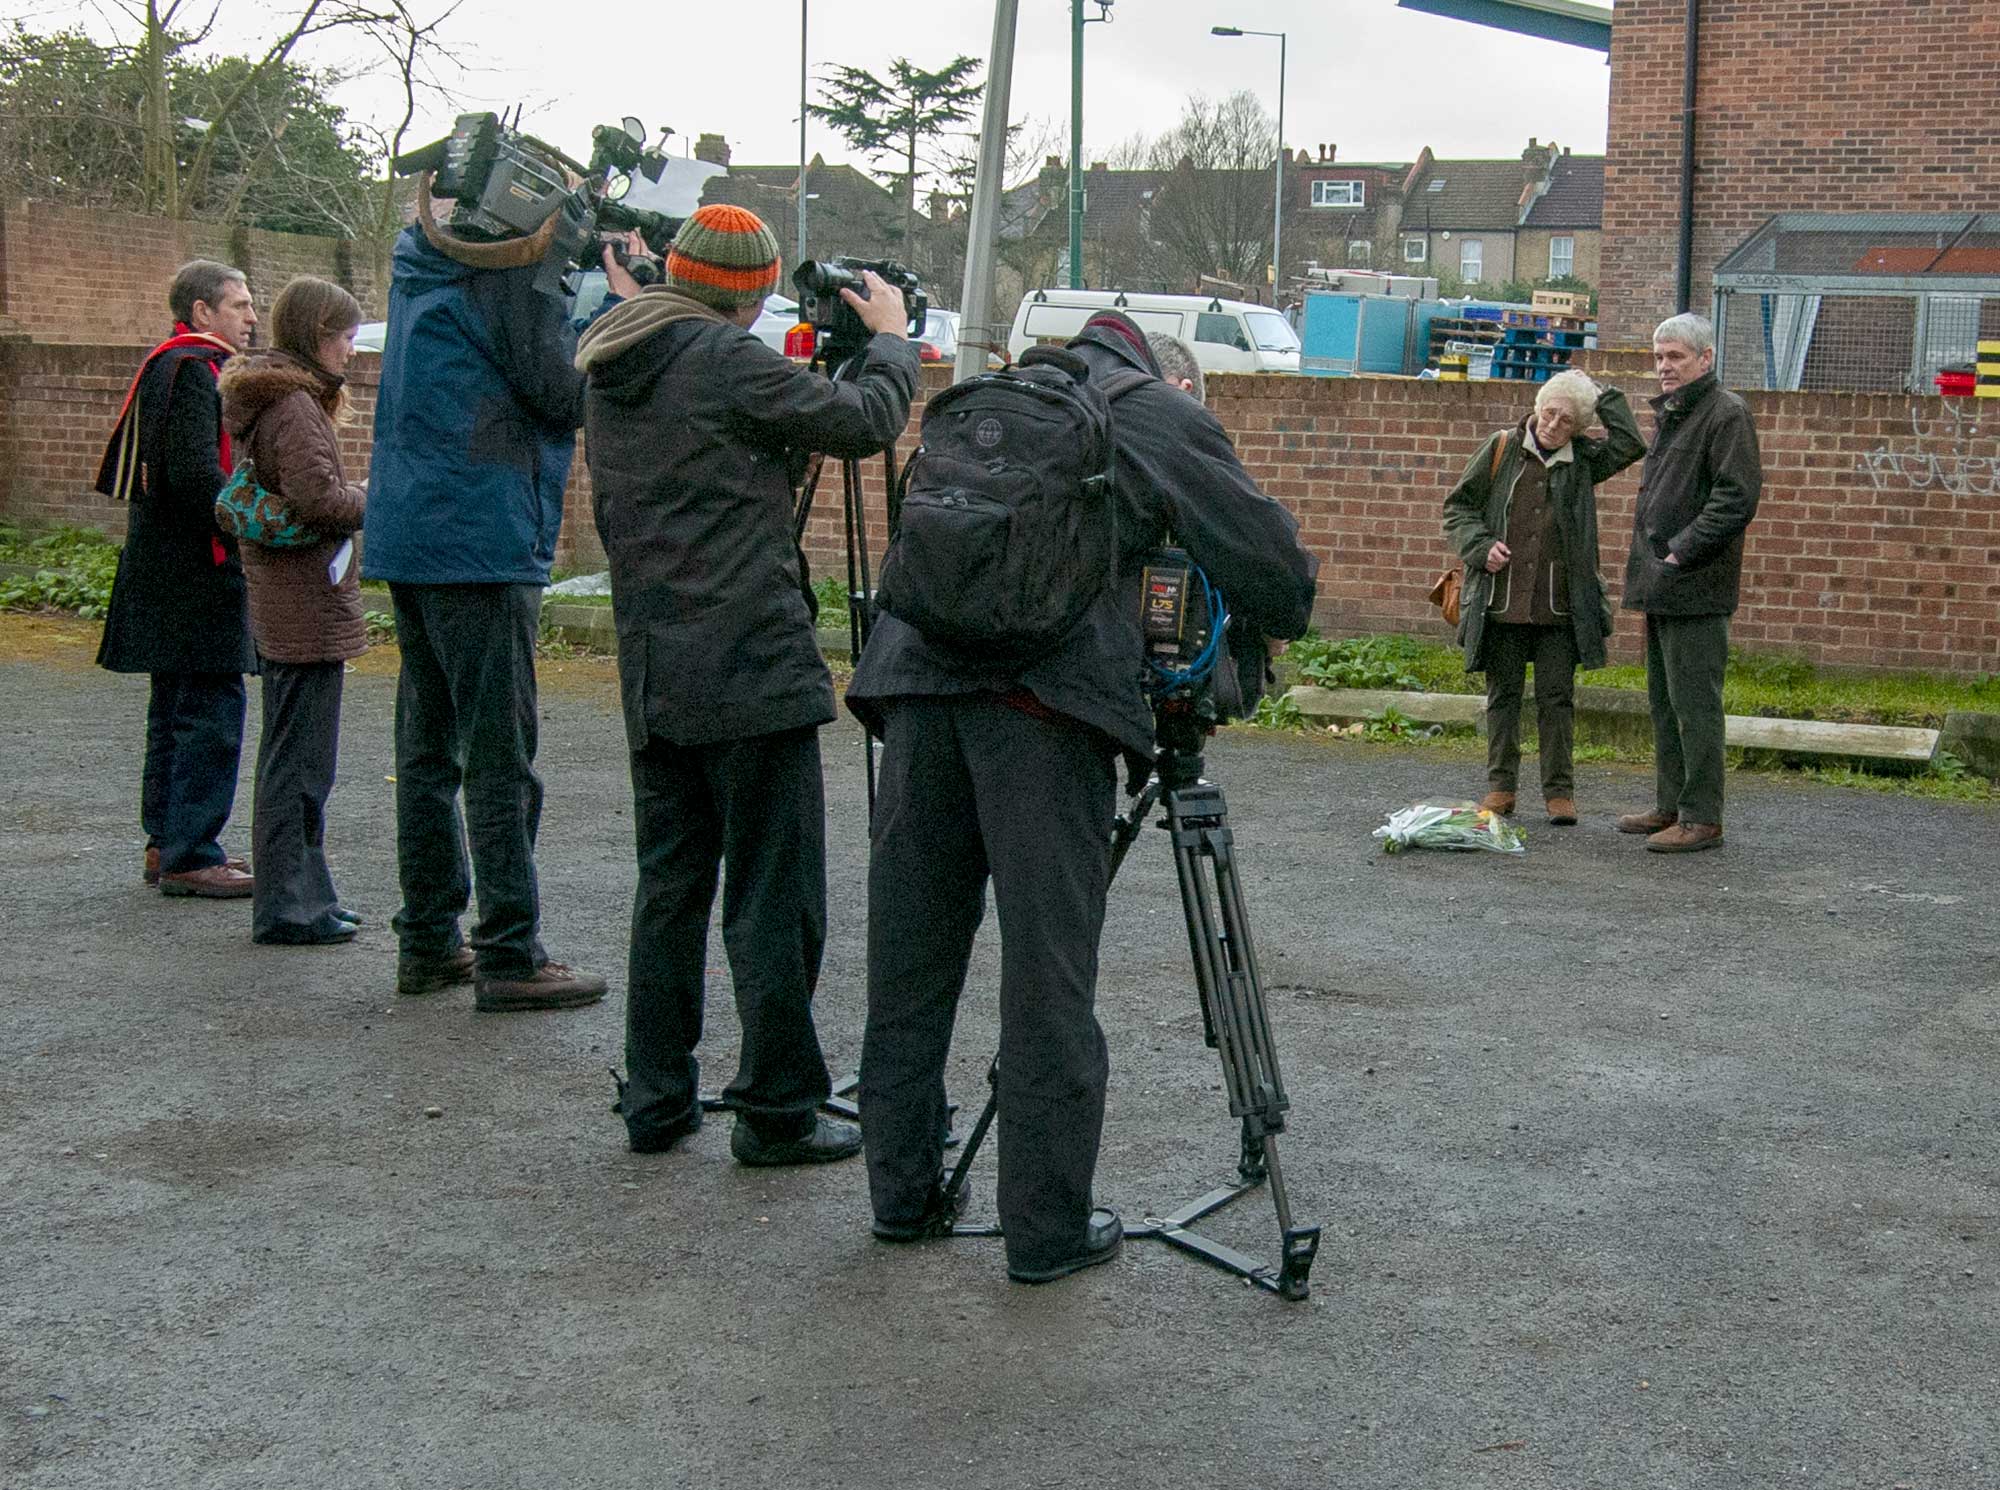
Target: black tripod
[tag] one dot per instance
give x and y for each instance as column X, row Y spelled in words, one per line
column 1234, row 1020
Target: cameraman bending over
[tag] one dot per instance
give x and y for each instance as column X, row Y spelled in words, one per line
column 1011, row 774
column 694, row 431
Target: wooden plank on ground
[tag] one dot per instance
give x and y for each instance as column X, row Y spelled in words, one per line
column 1829, row 737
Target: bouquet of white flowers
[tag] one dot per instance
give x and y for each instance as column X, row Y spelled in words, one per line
column 1450, row 825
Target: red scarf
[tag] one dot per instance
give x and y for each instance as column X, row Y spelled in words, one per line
column 185, row 336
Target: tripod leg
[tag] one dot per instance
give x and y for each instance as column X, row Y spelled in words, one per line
column 1233, row 1008
column 855, row 517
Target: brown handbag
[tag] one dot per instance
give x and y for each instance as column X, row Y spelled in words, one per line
column 1448, row 593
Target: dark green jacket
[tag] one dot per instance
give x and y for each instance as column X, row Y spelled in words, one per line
column 1475, row 518
column 1697, row 495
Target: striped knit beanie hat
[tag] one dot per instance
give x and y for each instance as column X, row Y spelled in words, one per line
column 723, row 256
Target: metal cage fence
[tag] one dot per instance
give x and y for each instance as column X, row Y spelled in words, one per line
column 1874, row 342
column 1861, row 302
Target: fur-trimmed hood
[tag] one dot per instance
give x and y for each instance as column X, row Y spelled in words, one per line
column 255, row 381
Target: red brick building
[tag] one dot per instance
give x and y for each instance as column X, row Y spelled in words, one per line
column 1801, row 105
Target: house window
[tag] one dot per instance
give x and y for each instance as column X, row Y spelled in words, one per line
column 1360, row 253
column 1415, row 250
column 1471, row 252
column 1562, row 257
column 1339, row 193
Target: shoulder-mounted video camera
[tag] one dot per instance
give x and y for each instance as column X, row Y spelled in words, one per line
column 840, row 333
column 506, row 186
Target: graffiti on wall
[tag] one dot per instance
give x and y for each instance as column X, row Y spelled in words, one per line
column 1941, row 457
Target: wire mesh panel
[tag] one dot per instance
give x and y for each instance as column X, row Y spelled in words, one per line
column 1855, row 343
column 1860, row 302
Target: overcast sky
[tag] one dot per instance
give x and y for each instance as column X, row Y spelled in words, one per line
column 1378, row 81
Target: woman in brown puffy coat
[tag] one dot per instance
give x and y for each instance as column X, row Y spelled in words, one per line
column 281, row 407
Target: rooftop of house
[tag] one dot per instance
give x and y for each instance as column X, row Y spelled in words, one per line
column 1465, row 194
column 1575, row 198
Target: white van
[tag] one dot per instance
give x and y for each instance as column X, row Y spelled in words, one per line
column 1227, row 335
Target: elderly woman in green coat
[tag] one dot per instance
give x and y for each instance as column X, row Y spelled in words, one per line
column 1523, row 517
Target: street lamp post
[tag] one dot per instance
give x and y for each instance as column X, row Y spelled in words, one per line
column 1278, row 205
column 1077, row 21
column 802, row 132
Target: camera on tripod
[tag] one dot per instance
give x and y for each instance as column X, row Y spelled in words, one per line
column 838, row 330
column 1184, row 626
column 505, row 185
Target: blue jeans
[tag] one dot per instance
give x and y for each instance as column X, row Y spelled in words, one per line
column 194, row 741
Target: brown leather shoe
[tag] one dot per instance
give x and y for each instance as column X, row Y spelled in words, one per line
column 151, row 873
column 1647, row 822
column 217, row 882
column 417, row 976
column 1562, row 811
column 1685, row 838
column 1500, row 802
column 550, row 986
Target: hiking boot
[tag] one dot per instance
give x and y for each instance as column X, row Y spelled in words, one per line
column 1500, row 803
column 1685, row 838
column 150, row 870
column 828, row 1141
column 417, row 976
column 1647, row 822
column 1102, row 1236
column 1562, row 811
column 550, row 986
column 217, row 882
column 940, row 1215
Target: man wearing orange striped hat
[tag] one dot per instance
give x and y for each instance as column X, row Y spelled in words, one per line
column 695, row 432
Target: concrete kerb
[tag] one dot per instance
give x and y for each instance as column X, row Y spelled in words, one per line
column 1620, row 717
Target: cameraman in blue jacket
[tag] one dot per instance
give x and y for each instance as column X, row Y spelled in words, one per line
column 475, row 426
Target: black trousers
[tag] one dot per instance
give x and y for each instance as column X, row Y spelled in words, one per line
column 466, row 720
column 1509, row 650
column 194, row 742
column 1686, row 657
column 296, row 756
column 756, row 810
column 973, row 789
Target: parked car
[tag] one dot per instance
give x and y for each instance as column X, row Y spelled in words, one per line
column 369, row 336
column 1227, row 335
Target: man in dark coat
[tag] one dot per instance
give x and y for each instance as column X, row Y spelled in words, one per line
column 694, row 430
column 1698, row 493
column 475, row 427
column 1010, row 774
column 177, row 605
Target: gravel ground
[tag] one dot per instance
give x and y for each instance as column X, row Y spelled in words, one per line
column 1635, row 1171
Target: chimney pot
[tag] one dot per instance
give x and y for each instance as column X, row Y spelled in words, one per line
column 712, row 148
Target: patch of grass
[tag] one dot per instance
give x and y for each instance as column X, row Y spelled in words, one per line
column 74, row 568
column 1946, row 779
column 831, row 592
column 380, row 626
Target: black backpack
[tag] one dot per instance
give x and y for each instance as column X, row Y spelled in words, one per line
column 1007, row 529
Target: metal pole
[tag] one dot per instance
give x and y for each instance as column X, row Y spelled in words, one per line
column 976, row 332
column 1076, row 144
column 1690, row 71
column 1278, row 210
column 802, row 133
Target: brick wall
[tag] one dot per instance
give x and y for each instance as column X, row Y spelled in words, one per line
column 69, row 274
column 1802, row 106
column 1878, row 543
